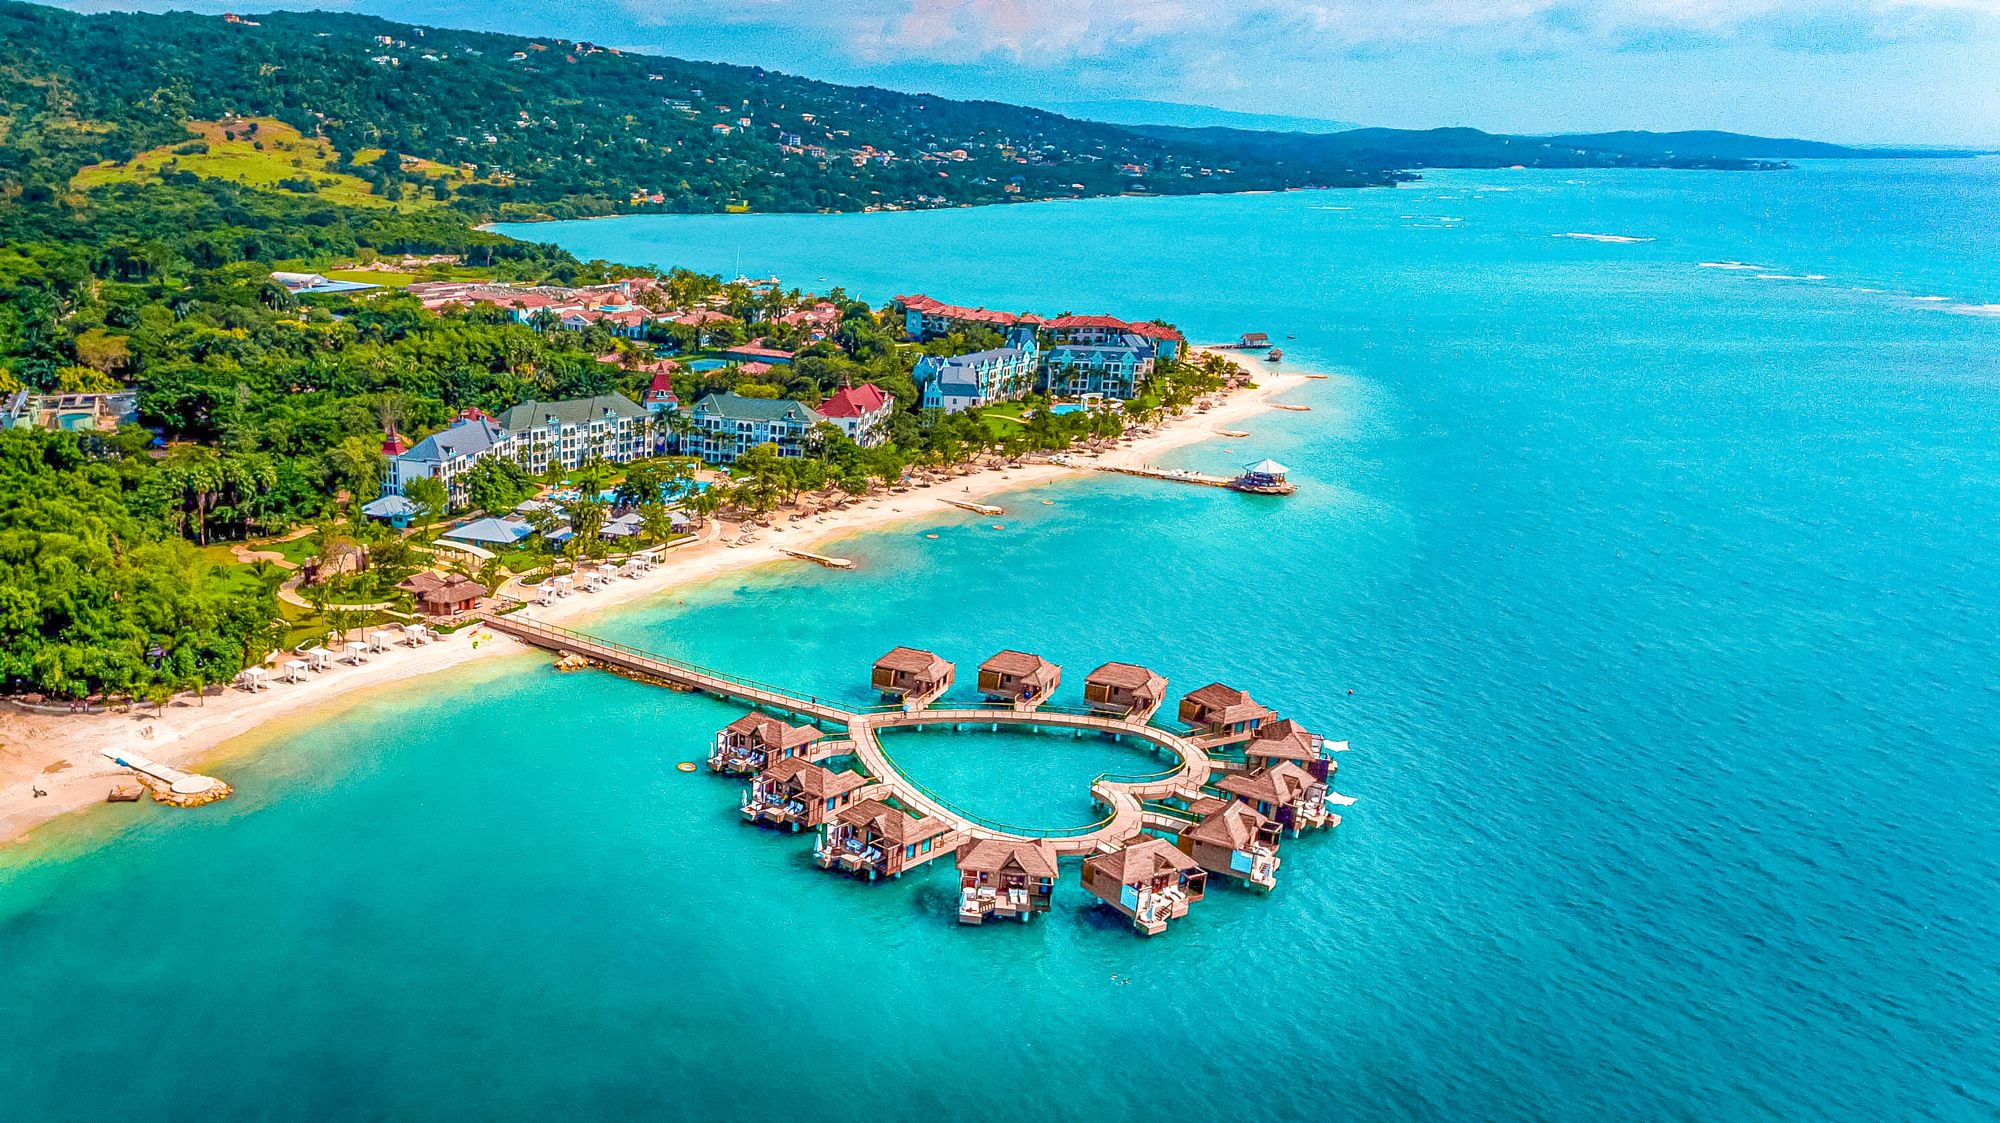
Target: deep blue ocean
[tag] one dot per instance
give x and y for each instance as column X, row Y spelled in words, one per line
column 1653, row 583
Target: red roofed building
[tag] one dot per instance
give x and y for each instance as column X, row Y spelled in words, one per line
column 862, row 412
column 924, row 318
column 1097, row 330
column 660, row 395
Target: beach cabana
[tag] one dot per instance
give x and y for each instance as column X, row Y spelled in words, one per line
column 1148, row 880
column 1234, row 840
column 318, row 658
column 912, row 676
column 798, row 794
column 295, row 670
column 355, row 652
column 875, row 839
column 1284, row 792
column 1005, row 879
column 490, row 531
column 1018, row 677
column 1222, row 715
column 564, row 585
column 379, row 641
column 754, row 741
column 1125, row 690
column 254, row 679
column 456, row 595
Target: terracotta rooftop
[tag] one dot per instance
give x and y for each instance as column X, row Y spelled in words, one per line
column 898, row 828
column 1281, row 740
column 911, row 660
column 1233, row 827
column 1282, row 784
column 1017, row 663
column 1125, row 676
column 815, row 781
column 1225, row 704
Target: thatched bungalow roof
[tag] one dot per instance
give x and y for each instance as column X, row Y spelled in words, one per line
column 1033, row 857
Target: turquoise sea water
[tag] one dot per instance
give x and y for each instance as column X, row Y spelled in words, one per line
column 1665, row 593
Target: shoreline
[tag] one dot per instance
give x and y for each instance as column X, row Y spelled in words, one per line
column 60, row 754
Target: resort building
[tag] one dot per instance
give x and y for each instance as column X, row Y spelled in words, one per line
column 81, row 412
column 660, row 396
column 1286, row 739
column 798, row 794
column 728, row 425
column 568, row 433
column 1235, row 840
column 1158, row 341
column 911, row 676
column 862, row 412
column 755, row 741
column 1284, row 792
column 875, row 839
column 446, row 456
column 1147, row 880
column 924, row 318
column 1222, row 715
column 1125, row 690
column 960, row 382
column 1113, row 369
column 1005, row 879
column 1020, row 678
column 438, row 595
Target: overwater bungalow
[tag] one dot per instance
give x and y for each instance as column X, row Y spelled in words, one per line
column 1005, row 879
column 1148, row 880
column 755, row 741
column 1235, row 840
column 1286, row 739
column 913, row 677
column 1266, row 477
column 799, row 794
column 1284, row 792
column 875, row 839
column 1222, row 715
column 1018, row 677
column 1125, row 690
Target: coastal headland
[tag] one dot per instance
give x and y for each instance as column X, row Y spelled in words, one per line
column 51, row 764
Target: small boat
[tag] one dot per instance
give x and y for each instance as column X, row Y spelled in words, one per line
column 1277, row 353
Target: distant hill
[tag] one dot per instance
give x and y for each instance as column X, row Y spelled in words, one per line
column 1132, row 111
column 1737, row 145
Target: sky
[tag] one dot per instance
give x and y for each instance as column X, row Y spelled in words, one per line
column 1855, row 71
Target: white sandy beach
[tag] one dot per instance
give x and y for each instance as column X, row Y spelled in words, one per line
column 61, row 755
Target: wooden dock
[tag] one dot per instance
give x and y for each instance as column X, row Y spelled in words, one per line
column 1125, row 796
column 1174, row 475
column 818, row 559
column 977, row 508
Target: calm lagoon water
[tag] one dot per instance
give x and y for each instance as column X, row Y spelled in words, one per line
column 1665, row 592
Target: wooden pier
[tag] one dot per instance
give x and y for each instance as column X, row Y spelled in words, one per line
column 1174, row 475
column 977, row 508
column 818, row 559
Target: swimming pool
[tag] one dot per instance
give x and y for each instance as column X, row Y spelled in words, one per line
column 1067, row 407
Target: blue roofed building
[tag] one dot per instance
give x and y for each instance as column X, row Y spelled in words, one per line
column 960, row 382
column 1114, row 368
column 446, row 456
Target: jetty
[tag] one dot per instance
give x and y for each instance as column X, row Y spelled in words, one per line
column 818, row 559
column 1160, row 834
column 977, row 508
column 1266, row 477
column 170, row 785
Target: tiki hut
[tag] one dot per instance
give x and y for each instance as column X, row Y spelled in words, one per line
column 1234, row 840
column 1147, row 880
column 1222, row 715
column 912, row 677
column 1284, row 792
column 1005, row 879
column 1286, row 739
column 754, row 741
column 1125, row 690
column 877, row 839
column 1018, row 677
column 797, row 793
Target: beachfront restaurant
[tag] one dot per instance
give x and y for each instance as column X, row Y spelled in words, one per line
column 912, row 676
column 1125, row 690
column 755, row 741
column 1234, row 840
column 1147, row 880
column 1222, row 715
column 1284, row 792
column 1005, row 879
column 1018, row 677
column 799, row 794
column 873, row 838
